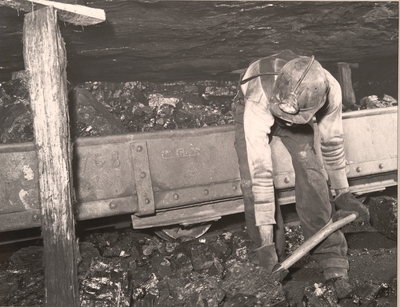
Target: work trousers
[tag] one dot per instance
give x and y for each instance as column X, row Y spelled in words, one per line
column 311, row 191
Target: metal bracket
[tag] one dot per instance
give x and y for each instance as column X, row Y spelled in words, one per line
column 141, row 170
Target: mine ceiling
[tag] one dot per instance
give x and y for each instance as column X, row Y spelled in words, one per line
column 168, row 41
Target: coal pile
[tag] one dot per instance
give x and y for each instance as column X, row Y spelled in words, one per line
column 103, row 108
column 374, row 102
column 15, row 115
column 129, row 268
column 144, row 106
column 136, row 268
column 100, row 109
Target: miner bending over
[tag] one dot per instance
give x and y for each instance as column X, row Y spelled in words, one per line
column 279, row 96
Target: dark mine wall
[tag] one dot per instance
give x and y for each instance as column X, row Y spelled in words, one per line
column 376, row 77
column 191, row 40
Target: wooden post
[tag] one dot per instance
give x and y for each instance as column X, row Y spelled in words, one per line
column 45, row 61
column 348, row 95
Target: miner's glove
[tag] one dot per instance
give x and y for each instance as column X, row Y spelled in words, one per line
column 347, row 204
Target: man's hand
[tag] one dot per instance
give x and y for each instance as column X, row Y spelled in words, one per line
column 346, row 202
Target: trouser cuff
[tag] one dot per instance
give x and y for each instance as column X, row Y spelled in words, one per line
column 328, row 263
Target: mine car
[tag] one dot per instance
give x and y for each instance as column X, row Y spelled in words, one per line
column 180, row 181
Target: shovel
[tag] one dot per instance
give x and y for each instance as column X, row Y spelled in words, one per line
column 280, row 270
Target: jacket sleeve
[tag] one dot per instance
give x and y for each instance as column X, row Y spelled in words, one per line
column 329, row 120
column 257, row 123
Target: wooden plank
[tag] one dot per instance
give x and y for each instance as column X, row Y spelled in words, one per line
column 45, row 60
column 71, row 13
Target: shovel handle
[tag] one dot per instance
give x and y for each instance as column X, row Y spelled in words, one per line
column 323, row 233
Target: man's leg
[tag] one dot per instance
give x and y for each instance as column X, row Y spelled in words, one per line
column 279, row 234
column 245, row 183
column 312, row 197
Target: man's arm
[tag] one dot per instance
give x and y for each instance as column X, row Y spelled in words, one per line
column 330, row 125
column 257, row 126
column 329, row 120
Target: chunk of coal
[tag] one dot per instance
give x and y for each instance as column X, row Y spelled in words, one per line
column 87, row 253
column 201, row 257
column 31, row 256
column 373, row 102
column 182, row 262
column 161, row 266
column 92, row 117
column 194, row 287
column 383, row 215
column 320, row 295
column 240, row 245
column 107, row 282
column 328, row 294
column 246, row 278
column 341, row 287
column 367, row 293
column 219, row 247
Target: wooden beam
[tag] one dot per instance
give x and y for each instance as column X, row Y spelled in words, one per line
column 71, row 13
column 345, row 80
column 45, row 60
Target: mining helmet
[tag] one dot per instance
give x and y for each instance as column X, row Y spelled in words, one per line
column 299, row 90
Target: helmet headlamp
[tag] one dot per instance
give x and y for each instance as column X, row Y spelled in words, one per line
column 289, row 103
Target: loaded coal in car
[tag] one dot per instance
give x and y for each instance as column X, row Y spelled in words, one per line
column 102, row 108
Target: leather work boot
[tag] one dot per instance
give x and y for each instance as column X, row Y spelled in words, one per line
column 336, row 273
column 267, row 257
